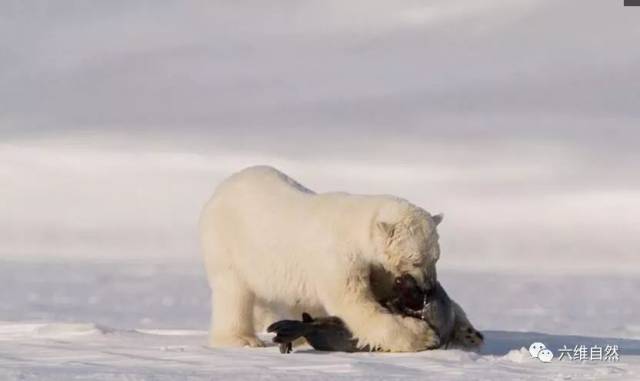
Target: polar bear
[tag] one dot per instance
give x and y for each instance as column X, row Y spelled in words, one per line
column 272, row 245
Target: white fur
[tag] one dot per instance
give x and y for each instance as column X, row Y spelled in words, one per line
column 271, row 245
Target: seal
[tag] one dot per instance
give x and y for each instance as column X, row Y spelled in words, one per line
column 331, row 333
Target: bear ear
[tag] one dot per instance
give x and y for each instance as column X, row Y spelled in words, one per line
column 386, row 228
column 306, row 318
column 437, row 219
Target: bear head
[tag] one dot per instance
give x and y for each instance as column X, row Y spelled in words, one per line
column 410, row 244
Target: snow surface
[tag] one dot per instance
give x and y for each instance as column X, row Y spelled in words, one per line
column 126, row 321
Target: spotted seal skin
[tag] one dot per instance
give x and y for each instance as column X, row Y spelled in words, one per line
column 433, row 306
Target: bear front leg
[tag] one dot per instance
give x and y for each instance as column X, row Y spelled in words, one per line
column 374, row 326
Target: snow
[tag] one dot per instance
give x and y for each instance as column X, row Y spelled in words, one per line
column 129, row 321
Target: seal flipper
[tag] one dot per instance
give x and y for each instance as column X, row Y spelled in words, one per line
column 323, row 334
column 288, row 330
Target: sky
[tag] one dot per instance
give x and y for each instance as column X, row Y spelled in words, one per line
column 515, row 118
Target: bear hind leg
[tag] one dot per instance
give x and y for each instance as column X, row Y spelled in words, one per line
column 232, row 314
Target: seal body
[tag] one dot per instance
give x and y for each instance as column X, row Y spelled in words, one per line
column 332, row 334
